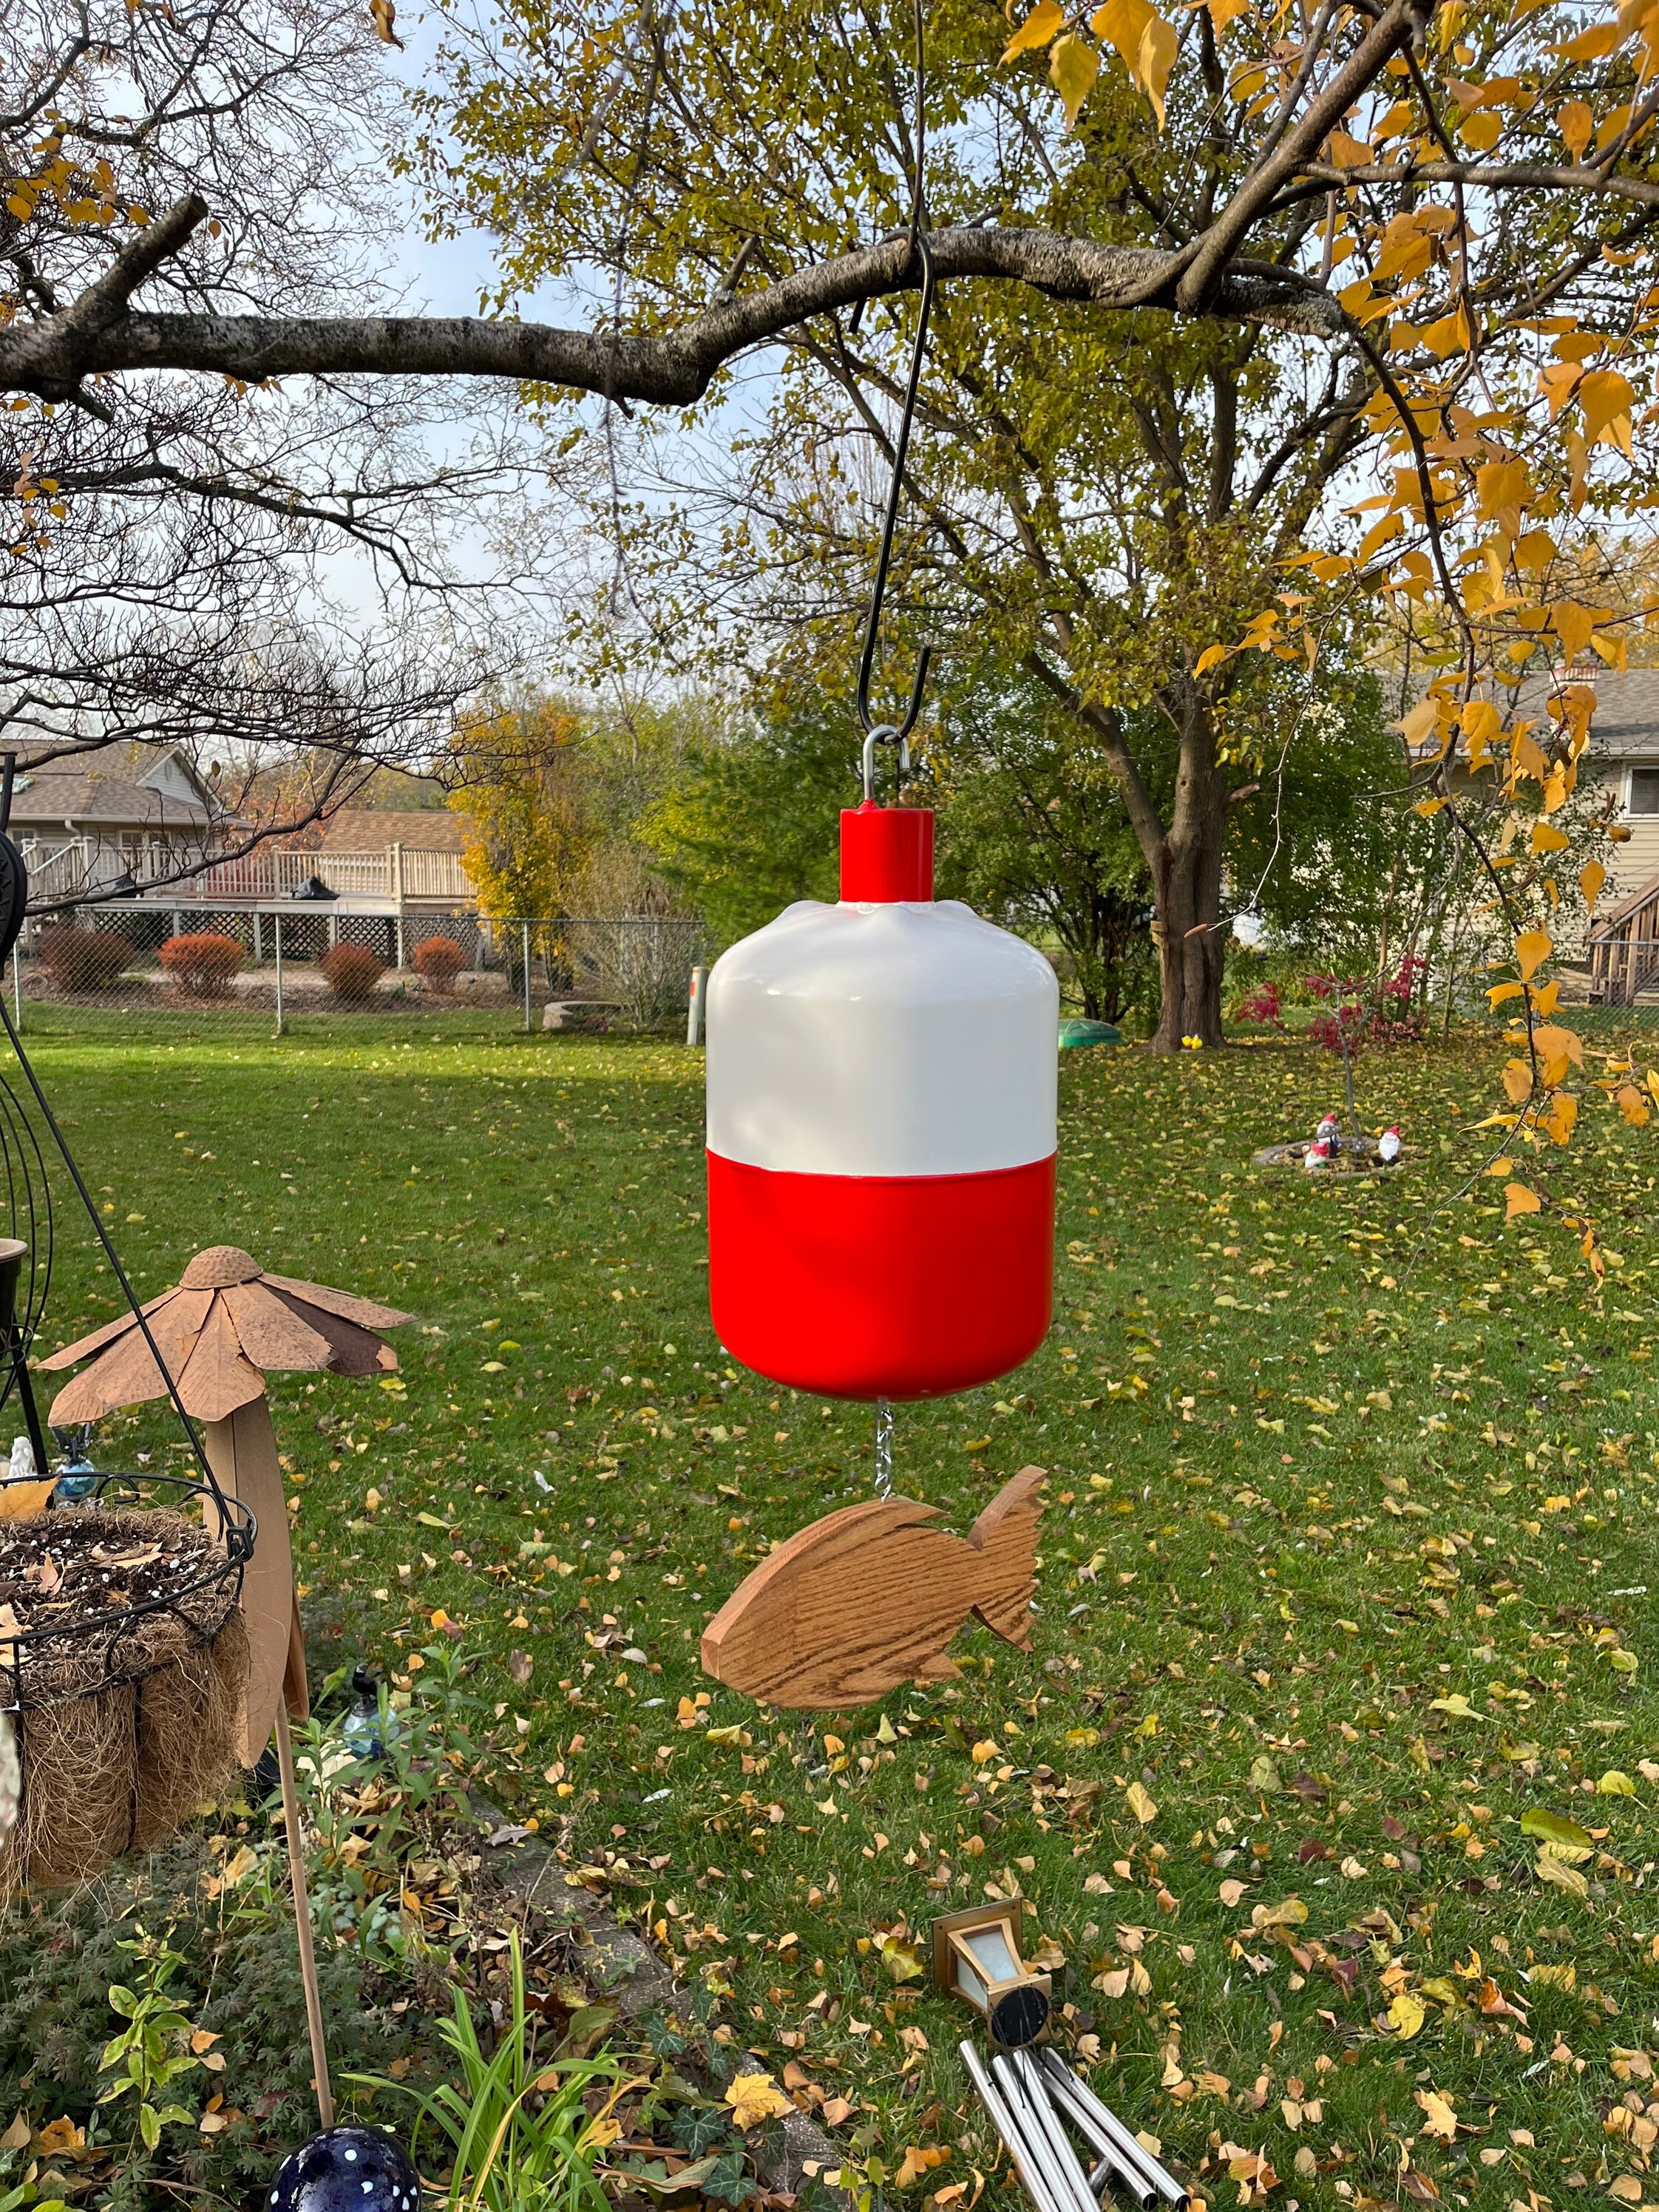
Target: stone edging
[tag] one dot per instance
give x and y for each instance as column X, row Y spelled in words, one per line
column 634, row 1978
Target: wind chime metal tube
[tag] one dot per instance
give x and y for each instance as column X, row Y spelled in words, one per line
column 1107, row 2132
column 1113, row 2170
column 1030, row 2103
column 1029, row 2162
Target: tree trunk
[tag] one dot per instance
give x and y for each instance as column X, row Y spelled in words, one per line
column 1187, row 870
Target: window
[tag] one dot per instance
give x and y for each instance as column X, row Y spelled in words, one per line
column 1644, row 791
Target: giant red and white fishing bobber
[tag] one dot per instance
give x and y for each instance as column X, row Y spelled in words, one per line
column 881, row 1133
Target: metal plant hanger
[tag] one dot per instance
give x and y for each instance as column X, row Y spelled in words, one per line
column 32, row 1216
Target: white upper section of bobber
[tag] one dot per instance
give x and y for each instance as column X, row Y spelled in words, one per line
column 889, row 1039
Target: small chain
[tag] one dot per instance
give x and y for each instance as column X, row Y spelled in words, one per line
column 883, row 1448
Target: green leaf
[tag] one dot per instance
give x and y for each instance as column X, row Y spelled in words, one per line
column 122, row 2000
column 729, row 2181
column 1555, row 1828
column 149, row 2125
column 700, row 2126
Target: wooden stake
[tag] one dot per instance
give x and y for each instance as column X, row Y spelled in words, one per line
column 296, row 1867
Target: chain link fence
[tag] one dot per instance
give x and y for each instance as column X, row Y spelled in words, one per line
column 149, row 969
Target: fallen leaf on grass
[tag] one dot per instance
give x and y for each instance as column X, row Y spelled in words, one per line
column 1140, row 1804
column 754, row 2098
column 1406, row 2013
column 1565, row 1838
column 1438, row 2117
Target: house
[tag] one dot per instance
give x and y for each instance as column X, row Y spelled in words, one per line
column 144, row 823
column 119, row 815
column 1620, row 954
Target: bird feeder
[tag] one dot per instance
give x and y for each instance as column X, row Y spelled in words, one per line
column 976, row 1958
column 881, row 1096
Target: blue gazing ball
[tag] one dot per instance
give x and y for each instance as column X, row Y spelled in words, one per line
column 347, row 2170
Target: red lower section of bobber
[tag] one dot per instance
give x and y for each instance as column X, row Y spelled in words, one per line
column 880, row 1286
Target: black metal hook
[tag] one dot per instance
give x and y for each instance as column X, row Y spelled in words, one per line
column 901, row 438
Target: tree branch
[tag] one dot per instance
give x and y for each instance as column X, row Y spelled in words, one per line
column 673, row 368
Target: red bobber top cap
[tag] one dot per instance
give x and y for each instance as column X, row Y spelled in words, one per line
column 886, row 854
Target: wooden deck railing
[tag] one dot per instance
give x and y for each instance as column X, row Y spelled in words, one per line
column 71, row 868
column 1624, row 951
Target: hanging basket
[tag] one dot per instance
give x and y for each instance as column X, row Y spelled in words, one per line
column 123, row 1658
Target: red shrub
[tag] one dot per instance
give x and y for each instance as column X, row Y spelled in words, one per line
column 438, row 961
column 82, row 959
column 352, row 971
column 202, row 963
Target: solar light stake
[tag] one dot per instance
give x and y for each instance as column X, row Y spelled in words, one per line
column 1027, row 2163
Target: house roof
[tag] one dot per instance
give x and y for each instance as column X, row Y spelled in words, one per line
column 1626, row 722
column 366, row 829
column 128, row 786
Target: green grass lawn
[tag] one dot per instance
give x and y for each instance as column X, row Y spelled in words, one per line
column 1346, row 1558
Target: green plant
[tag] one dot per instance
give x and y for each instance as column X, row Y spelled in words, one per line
column 158, row 2043
column 516, row 2129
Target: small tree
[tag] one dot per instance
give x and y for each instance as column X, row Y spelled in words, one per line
column 202, row 962
column 351, row 972
column 438, row 961
column 82, row 959
column 1350, row 1016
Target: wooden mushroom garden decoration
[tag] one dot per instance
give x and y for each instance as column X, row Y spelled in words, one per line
column 225, row 1325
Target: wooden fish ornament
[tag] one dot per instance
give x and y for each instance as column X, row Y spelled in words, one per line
column 869, row 1597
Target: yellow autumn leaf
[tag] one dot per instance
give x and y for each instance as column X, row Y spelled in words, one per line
column 1559, row 1048
column 1212, row 657
column 1222, row 12
column 1590, row 45
column 1438, row 2117
column 1039, row 26
column 1517, row 1080
column 1519, row 1199
column 1631, row 1104
column 754, row 2098
column 1591, row 877
column 920, row 2159
column 1074, row 65
column 1501, row 485
column 1532, row 949
column 1406, row 2013
column 1546, row 838
column 1576, row 123
column 1606, row 398
column 1154, row 60
column 1573, row 624
column 1344, row 152
column 1564, row 1112
column 1140, row 1804
column 1145, row 44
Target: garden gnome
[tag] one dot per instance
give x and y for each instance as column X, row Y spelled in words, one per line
column 221, row 1331
column 1388, row 1146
